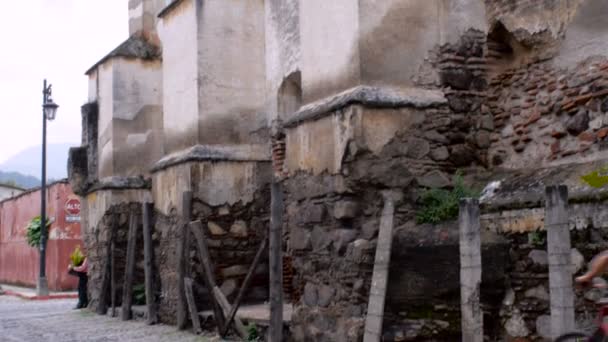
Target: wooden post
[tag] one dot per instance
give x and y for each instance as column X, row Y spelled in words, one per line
column 275, row 331
column 127, row 288
column 113, row 277
column 196, row 324
column 377, row 295
column 147, row 210
column 470, row 271
column 223, row 303
column 244, row 286
column 102, row 307
column 182, row 256
column 560, row 263
column 209, row 276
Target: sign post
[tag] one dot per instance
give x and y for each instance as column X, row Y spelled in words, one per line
column 72, row 210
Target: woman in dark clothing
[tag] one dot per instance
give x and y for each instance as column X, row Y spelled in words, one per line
column 81, row 273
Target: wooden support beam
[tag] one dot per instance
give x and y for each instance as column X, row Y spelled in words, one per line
column 196, row 323
column 102, row 306
column 113, row 277
column 182, row 257
column 147, row 211
column 209, row 275
column 127, row 288
column 225, row 305
column 275, row 333
column 244, row 286
column 377, row 294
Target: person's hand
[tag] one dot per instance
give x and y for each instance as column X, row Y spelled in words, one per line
column 70, row 267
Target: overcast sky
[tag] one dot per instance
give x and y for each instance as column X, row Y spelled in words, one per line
column 58, row 40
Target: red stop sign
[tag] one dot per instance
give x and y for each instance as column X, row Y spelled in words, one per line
column 72, row 207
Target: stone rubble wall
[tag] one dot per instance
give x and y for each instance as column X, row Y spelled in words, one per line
column 234, row 227
column 115, row 222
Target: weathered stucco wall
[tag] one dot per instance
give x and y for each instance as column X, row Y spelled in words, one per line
column 389, row 43
column 143, row 17
column 282, row 24
column 105, row 100
column 321, row 145
column 128, row 94
column 231, row 71
column 214, row 93
column 96, row 204
column 137, row 116
column 178, row 32
column 216, row 183
column 330, row 62
column 585, row 34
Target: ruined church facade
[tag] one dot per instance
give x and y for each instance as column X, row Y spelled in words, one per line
column 340, row 101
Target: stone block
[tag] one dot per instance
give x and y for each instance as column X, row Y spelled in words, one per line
column 578, row 260
column 370, row 228
column 440, row 154
column 345, row 209
column 516, row 326
column 342, row 237
column 312, row 213
column 235, row 271
column 434, row 179
column 201, row 210
column 417, row 148
column 357, row 250
column 461, row 155
column 436, row 137
column 299, row 239
column 578, row 123
column 320, row 238
column 239, row 229
column 229, row 287
column 539, row 292
column 224, row 210
column 543, row 326
column 325, row 295
column 482, row 139
column 311, row 295
column 604, row 105
column 539, row 257
column 215, row 229
column 457, row 78
column 486, row 122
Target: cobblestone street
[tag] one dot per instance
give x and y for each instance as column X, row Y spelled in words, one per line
column 55, row 321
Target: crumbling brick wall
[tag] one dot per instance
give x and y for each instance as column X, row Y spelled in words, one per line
column 549, row 115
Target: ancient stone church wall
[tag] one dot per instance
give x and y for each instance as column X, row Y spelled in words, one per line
column 338, row 158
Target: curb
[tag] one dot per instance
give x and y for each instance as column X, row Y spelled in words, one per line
column 34, row 297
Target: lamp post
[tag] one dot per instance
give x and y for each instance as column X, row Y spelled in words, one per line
column 49, row 110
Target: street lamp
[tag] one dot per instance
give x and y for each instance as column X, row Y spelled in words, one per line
column 49, row 111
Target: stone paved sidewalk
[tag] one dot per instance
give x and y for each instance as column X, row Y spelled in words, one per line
column 55, row 321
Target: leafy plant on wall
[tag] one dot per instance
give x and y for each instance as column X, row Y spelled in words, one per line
column 597, row 178
column 34, row 232
column 438, row 205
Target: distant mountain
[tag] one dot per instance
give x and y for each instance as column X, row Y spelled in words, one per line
column 19, row 179
column 27, row 162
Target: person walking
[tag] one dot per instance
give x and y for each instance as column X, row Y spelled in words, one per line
column 81, row 273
